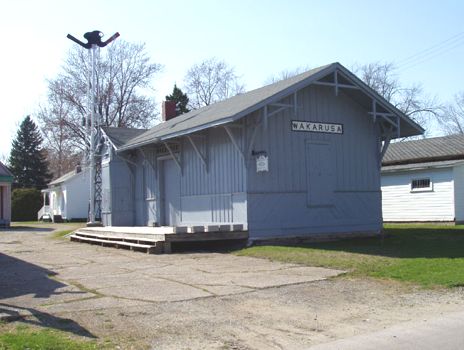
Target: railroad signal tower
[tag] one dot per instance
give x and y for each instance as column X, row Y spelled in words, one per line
column 93, row 121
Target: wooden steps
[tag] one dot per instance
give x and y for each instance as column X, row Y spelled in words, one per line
column 149, row 245
column 156, row 240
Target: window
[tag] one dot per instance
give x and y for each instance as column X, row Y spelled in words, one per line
column 420, row 185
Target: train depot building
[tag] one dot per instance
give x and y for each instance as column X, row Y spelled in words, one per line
column 295, row 158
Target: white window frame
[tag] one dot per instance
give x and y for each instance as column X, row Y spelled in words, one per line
column 422, row 189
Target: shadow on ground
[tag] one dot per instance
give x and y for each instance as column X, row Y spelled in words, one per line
column 27, row 229
column 35, row 317
column 18, row 278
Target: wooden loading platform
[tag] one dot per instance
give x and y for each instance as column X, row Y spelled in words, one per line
column 156, row 240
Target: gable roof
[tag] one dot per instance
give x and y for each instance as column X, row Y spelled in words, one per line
column 5, row 173
column 67, row 177
column 241, row 105
column 421, row 166
column 425, row 150
column 120, row 136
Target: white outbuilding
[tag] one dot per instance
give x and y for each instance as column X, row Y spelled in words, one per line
column 6, row 178
column 423, row 180
column 67, row 198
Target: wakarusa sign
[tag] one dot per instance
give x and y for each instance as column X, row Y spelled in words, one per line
column 327, row 128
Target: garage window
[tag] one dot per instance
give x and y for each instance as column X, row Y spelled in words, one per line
column 421, row 185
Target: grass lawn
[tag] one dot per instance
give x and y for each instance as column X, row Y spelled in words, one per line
column 47, row 226
column 23, row 338
column 61, row 234
column 424, row 254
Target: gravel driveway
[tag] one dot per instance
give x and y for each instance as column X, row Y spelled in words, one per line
column 195, row 300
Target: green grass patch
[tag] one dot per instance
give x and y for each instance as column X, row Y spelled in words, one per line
column 428, row 255
column 61, row 234
column 23, row 338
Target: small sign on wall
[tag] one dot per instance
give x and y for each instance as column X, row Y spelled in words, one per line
column 262, row 163
column 326, row 128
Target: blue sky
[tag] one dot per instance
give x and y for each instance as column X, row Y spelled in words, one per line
column 259, row 38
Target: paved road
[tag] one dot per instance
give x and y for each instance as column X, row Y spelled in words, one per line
column 443, row 333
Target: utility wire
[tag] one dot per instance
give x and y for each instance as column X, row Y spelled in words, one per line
column 429, row 57
column 437, row 46
column 431, row 52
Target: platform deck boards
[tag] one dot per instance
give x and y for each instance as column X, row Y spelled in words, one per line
column 152, row 239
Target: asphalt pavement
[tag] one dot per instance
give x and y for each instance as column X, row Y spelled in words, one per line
column 443, row 333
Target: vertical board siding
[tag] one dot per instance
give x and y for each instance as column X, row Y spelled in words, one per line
column 216, row 193
column 284, row 189
column 211, row 194
column 139, row 192
column 225, row 166
column 458, row 176
column 122, row 185
column 106, row 206
column 400, row 204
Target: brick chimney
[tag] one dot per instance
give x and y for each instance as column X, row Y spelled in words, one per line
column 168, row 110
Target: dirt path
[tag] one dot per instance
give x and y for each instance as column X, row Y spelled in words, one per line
column 197, row 300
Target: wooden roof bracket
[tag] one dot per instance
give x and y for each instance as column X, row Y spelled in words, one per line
column 197, row 151
column 235, row 143
column 386, row 143
column 336, row 84
column 387, row 117
column 281, row 107
column 126, row 159
column 147, row 160
column 173, row 156
column 251, row 143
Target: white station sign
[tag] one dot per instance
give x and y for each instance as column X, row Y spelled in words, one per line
column 326, row 128
column 262, row 164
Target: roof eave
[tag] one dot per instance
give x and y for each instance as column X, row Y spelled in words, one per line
column 419, row 166
column 380, row 99
column 276, row 97
column 109, row 139
column 283, row 93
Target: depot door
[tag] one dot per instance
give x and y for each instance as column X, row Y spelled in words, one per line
column 171, row 193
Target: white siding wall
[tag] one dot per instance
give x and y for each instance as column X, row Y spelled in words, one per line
column 55, row 194
column 400, row 204
column 458, row 172
column 77, row 196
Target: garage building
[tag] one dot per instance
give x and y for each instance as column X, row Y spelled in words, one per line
column 423, row 180
column 6, row 179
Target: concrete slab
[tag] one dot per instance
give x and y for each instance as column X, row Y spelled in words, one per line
column 57, row 275
column 439, row 333
column 195, row 229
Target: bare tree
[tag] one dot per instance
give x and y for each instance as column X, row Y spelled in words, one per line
column 211, row 81
column 452, row 118
column 125, row 75
column 4, row 158
column 285, row 74
column 411, row 100
column 61, row 147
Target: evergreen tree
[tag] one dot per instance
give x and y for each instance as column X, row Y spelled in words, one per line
column 181, row 100
column 27, row 159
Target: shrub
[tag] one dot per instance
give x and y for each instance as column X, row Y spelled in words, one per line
column 25, row 203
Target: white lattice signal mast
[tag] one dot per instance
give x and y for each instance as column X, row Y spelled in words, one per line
column 93, row 122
